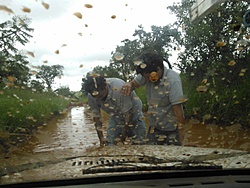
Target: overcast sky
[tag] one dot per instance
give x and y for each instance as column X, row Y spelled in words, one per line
column 86, row 42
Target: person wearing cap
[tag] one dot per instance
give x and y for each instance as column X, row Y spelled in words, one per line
column 126, row 119
column 164, row 98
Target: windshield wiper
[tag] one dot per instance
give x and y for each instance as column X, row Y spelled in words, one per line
column 133, row 168
column 146, row 163
column 192, row 163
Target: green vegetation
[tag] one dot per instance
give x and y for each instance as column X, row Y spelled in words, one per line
column 222, row 106
column 141, row 93
column 23, row 110
column 215, row 64
column 13, row 62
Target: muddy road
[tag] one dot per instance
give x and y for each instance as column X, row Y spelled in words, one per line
column 75, row 133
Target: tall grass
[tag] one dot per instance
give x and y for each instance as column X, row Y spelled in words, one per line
column 21, row 110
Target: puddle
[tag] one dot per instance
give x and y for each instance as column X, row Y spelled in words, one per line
column 76, row 132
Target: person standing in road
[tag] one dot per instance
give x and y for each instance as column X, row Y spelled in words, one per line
column 125, row 112
column 164, row 98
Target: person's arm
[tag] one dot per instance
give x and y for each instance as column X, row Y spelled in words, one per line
column 98, row 127
column 128, row 87
column 179, row 114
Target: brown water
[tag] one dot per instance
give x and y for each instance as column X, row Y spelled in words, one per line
column 75, row 132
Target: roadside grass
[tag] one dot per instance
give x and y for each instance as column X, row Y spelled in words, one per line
column 224, row 105
column 23, row 110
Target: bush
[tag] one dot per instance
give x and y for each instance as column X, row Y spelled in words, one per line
column 220, row 104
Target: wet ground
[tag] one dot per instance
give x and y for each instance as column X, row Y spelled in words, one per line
column 215, row 136
column 75, row 132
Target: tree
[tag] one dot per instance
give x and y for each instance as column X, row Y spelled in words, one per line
column 16, row 30
column 48, row 73
column 14, row 63
column 124, row 65
column 36, row 85
column 15, row 66
column 160, row 39
column 64, row 91
column 216, row 59
column 107, row 71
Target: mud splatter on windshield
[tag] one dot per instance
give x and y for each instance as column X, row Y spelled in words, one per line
column 192, row 93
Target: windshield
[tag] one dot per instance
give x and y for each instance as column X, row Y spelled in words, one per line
column 93, row 88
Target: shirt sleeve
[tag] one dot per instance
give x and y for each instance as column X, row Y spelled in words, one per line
column 175, row 93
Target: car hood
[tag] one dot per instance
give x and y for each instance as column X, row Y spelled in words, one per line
column 110, row 160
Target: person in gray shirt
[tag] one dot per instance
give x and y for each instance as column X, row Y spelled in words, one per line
column 126, row 119
column 164, row 98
